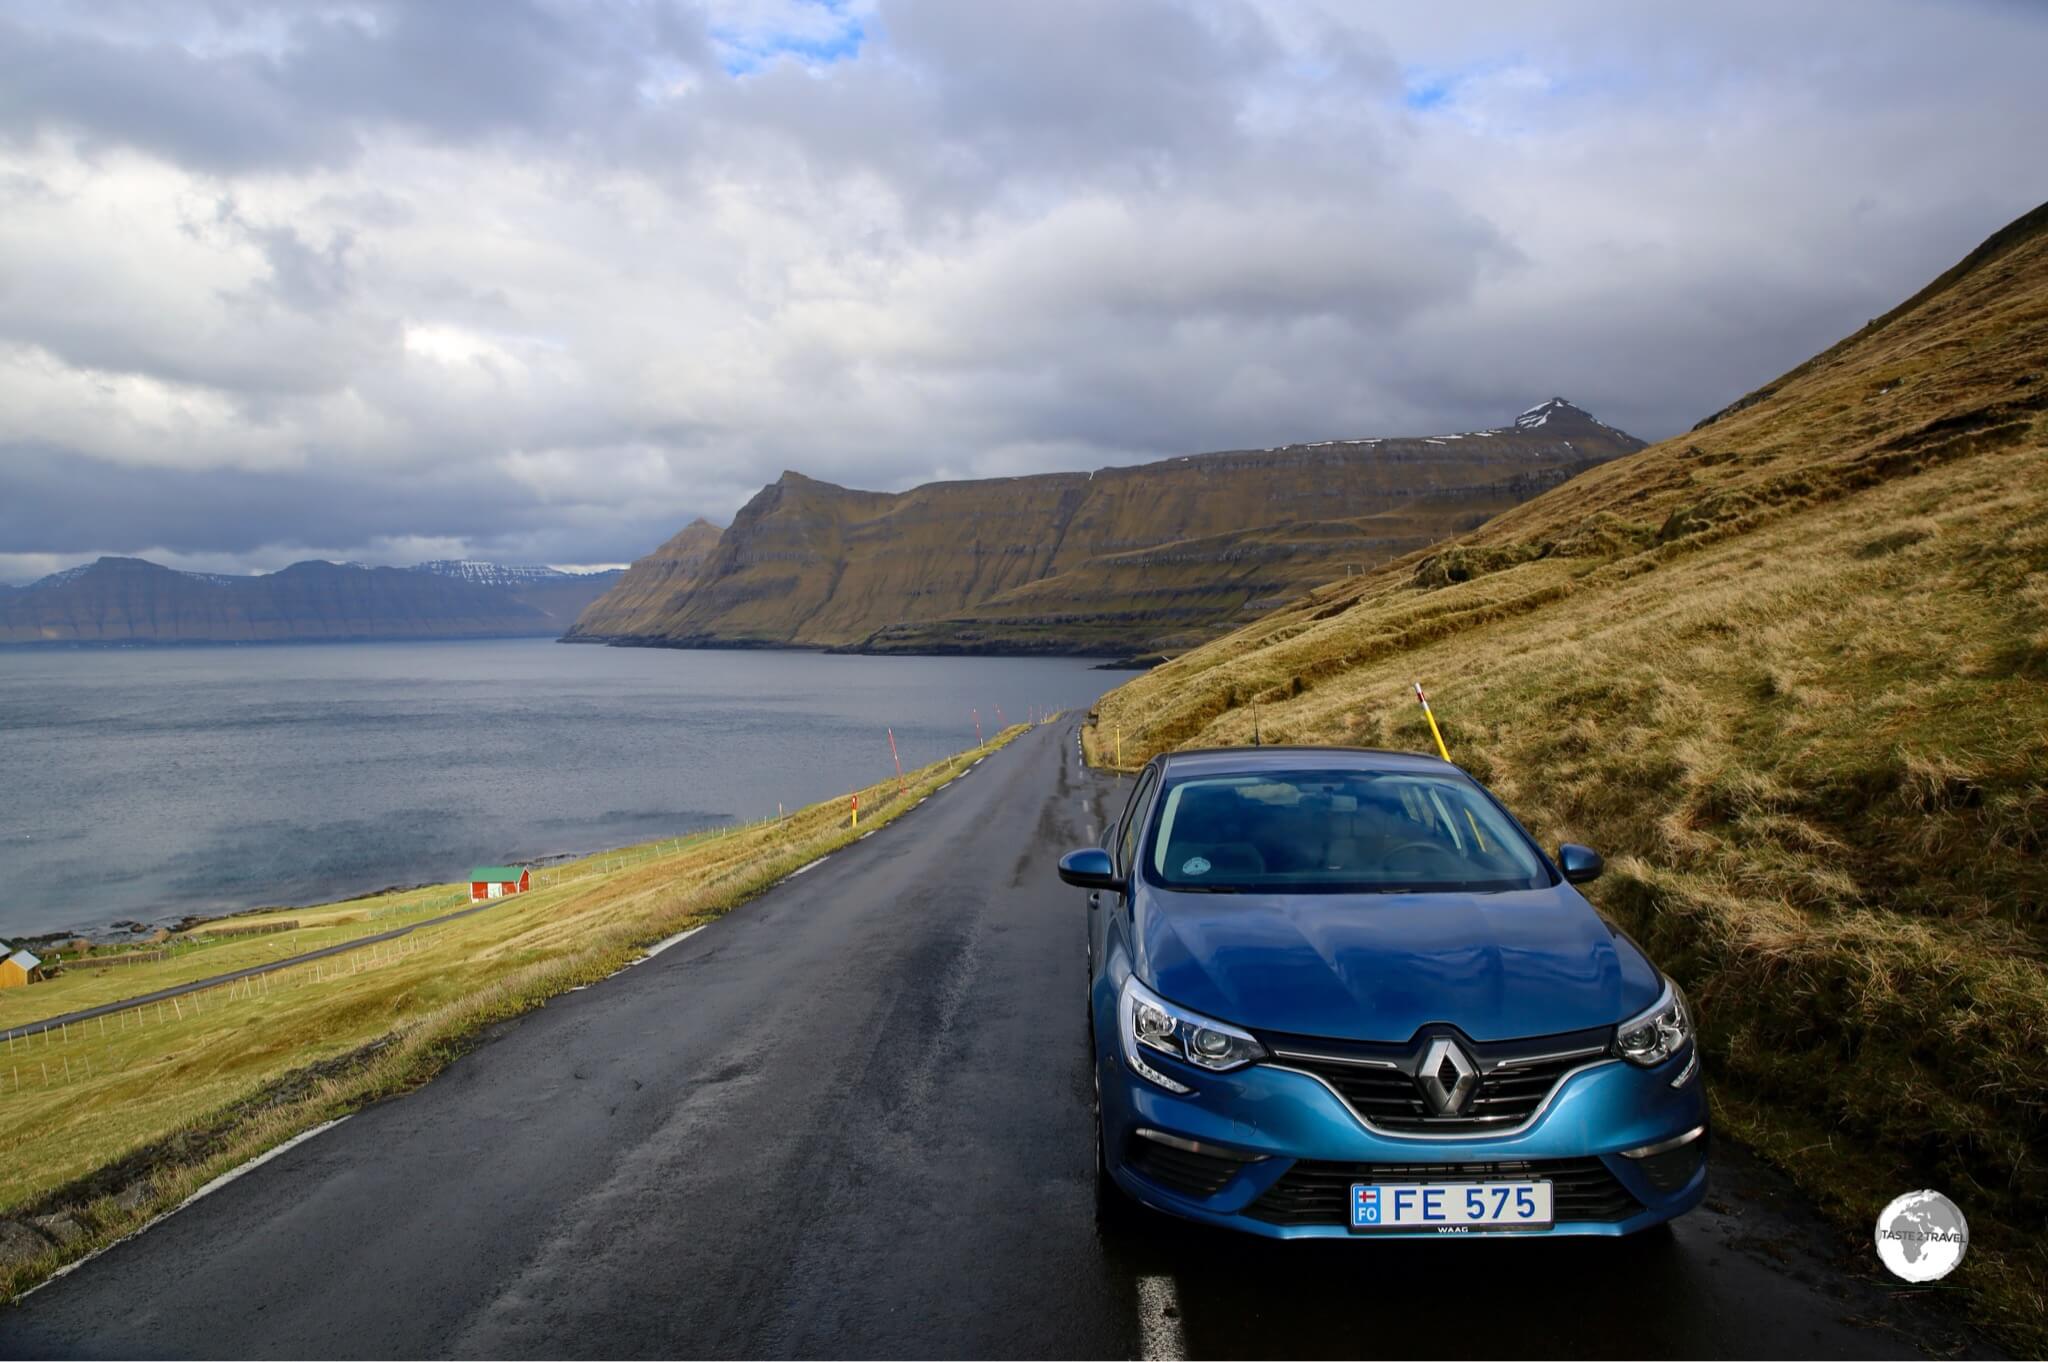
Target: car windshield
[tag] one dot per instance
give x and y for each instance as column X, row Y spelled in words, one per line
column 1337, row 832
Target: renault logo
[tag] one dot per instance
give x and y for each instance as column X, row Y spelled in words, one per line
column 1447, row 1076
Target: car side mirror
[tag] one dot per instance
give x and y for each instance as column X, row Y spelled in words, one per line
column 1579, row 864
column 1090, row 868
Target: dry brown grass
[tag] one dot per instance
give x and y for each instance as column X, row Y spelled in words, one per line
column 1791, row 672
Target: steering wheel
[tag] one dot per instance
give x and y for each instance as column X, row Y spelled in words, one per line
column 1430, row 848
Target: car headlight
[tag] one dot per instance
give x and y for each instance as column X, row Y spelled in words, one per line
column 1654, row 1036
column 1149, row 1022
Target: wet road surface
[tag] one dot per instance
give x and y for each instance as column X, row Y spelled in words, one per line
column 851, row 1119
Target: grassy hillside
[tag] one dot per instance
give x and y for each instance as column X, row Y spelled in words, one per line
column 1178, row 595
column 109, row 1122
column 1118, row 560
column 1790, row 671
column 648, row 586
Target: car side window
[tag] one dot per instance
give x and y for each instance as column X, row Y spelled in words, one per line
column 1134, row 819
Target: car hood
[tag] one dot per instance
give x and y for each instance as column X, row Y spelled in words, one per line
column 1381, row 966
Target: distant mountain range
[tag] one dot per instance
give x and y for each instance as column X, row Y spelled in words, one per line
column 131, row 600
column 1131, row 561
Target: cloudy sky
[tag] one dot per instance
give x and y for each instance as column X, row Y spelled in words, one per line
column 541, row 282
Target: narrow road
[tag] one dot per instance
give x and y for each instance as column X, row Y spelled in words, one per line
column 164, row 995
column 851, row 1119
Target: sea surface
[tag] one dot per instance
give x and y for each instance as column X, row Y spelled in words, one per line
column 152, row 783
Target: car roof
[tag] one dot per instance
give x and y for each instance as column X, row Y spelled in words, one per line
column 1238, row 760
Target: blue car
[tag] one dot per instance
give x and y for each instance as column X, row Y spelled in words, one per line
column 1339, row 993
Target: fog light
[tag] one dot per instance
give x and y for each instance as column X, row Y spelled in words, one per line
column 1669, row 1164
column 1187, row 1146
column 1662, row 1146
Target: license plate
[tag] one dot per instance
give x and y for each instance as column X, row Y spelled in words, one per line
column 1452, row 1207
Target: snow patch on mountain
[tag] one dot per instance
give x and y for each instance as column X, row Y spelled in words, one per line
column 492, row 574
column 1541, row 413
column 70, row 574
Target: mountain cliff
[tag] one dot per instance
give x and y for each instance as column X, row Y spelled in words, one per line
column 1118, row 560
column 130, row 600
column 647, row 586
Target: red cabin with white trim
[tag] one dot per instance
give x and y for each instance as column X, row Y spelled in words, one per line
column 496, row 881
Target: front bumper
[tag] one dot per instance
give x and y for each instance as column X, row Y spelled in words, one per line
column 1270, row 1144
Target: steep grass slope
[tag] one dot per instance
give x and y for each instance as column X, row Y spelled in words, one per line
column 1175, row 596
column 647, row 585
column 1790, row 671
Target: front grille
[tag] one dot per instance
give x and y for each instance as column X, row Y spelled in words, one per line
column 1380, row 1084
column 1180, row 1170
column 1320, row 1193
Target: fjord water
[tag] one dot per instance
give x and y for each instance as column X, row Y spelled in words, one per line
column 153, row 783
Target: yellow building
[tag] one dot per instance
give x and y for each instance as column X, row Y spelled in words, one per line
column 20, row 968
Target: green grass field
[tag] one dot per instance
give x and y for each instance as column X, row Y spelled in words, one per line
column 113, row 1120
column 192, row 955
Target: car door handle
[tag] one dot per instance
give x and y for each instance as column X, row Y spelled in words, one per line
column 1095, row 899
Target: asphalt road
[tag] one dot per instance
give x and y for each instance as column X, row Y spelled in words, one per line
column 851, row 1119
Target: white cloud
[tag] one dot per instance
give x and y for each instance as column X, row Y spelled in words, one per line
column 310, row 298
